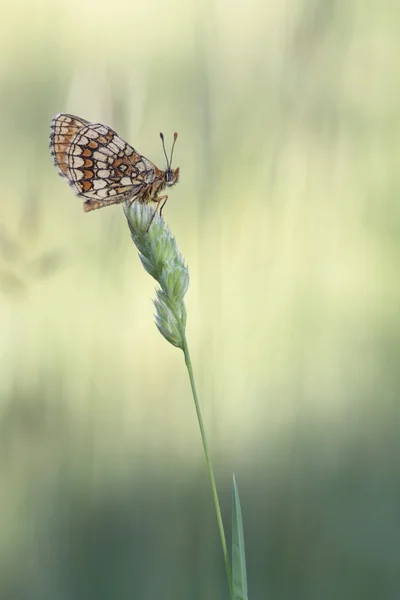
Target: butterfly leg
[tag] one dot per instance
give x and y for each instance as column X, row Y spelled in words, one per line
column 165, row 198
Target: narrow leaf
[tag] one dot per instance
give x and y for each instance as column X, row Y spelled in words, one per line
column 239, row 576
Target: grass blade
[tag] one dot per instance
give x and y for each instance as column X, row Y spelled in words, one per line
column 239, row 575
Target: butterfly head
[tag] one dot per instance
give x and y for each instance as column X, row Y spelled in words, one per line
column 171, row 175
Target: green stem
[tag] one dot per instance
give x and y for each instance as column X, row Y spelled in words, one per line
column 208, row 461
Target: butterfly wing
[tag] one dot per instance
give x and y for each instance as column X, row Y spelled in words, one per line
column 99, row 165
column 63, row 129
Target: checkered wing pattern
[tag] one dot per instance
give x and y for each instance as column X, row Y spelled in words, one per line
column 98, row 164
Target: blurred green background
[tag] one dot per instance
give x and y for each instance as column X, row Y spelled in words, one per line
column 287, row 212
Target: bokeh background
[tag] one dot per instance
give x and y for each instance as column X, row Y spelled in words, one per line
column 287, row 212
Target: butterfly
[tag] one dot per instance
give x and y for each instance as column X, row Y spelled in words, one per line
column 102, row 168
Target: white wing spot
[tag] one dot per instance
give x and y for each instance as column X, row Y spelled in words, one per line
column 77, row 161
column 82, row 141
column 78, row 174
column 92, row 134
column 113, row 148
column 98, row 155
column 99, row 184
column 106, row 151
column 120, row 143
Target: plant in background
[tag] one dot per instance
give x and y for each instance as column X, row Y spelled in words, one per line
column 160, row 257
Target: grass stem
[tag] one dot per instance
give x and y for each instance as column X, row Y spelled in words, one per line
column 208, row 461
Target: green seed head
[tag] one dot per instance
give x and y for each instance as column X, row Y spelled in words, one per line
column 160, row 257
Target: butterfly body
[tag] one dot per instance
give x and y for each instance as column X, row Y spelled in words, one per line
column 102, row 168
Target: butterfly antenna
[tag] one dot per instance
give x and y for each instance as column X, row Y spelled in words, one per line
column 165, row 154
column 173, row 146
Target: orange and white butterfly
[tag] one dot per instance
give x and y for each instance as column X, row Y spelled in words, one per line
column 102, row 168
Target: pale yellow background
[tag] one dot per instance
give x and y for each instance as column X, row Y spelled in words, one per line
column 287, row 213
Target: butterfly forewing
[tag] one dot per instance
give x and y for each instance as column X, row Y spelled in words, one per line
column 99, row 165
